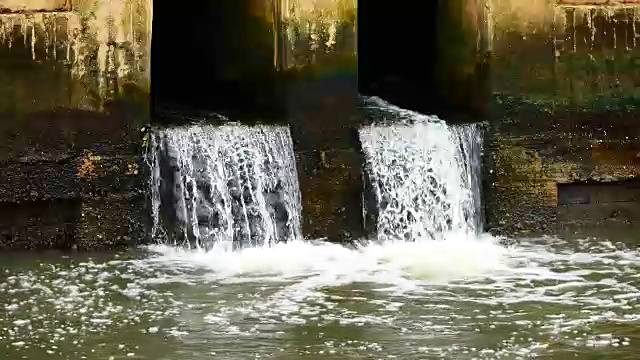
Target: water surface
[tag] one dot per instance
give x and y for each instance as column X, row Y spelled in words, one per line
column 460, row 298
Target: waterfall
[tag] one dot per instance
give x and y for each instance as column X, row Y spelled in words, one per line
column 424, row 173
column 228, row 186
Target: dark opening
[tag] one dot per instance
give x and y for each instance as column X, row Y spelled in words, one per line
column 399, row 58
column 600, row 206
column 582, row 193
column 215, row 56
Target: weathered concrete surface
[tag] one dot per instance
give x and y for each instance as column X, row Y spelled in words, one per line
column 546, row 50
column 566, row 85
column 74, row 80
column 530, row 160
column 86, row 56
column 331, row 187
column 39, row 224
column 318, row 58
column 34, row 5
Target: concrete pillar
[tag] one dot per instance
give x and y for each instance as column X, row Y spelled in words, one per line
column 462, row 67
column 318, row 59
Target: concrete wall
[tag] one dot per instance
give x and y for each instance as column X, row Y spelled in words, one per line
column 88, row 54
column 318, row 59
column 558, row 83
column 548, row 48
column 75, row 91
column 565, row 79
column 74, row 83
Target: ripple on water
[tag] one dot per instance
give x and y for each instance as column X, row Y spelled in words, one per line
column 459, row 297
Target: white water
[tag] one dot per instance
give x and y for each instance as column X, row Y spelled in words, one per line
column 461, row 298
column 424, row 173
column 373, row 262
column 226, row 186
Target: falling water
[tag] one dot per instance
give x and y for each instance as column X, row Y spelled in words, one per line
column 231, row 186
column 425, row 174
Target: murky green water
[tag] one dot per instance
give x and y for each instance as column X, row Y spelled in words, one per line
column 458, row 299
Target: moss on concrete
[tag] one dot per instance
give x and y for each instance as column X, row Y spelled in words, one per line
column 70, row 118
column 547, row 51
column 538, row 144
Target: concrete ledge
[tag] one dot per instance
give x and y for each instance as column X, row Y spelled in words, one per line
column 38, row 224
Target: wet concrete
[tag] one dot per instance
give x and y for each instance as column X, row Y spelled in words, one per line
column 535, row 151
column 74, row 96
column 38, row 224
column 560, row 104
column 564, row 111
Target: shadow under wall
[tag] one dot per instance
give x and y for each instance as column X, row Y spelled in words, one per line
column 396, row 48
column 410, row 55
column 215, row 56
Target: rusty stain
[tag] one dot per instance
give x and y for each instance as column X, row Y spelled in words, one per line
column 619, row 154
column 89, row 166
column 132, row 168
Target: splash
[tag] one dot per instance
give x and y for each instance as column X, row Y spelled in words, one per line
column 329, row 264
column 425, row 174
column 224, row 186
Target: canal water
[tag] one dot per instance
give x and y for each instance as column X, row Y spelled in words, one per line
column 230, row 276
column 457, row 298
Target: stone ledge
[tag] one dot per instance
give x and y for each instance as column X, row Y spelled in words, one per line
column 38, row 224
column 86, row 176
column 113, row 221
column 100, row 223
column 41, row 181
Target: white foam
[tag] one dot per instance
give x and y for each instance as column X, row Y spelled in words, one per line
column 424, row 173
column 455, row 257
column 526, row 295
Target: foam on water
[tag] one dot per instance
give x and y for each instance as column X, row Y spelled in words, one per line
column 429, row 261
column 427, row 297
column 228, row 185
column 425, row 174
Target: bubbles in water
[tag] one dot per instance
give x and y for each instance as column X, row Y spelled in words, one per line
column 459, row 294
column 461, row 297
column 430, row 261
